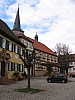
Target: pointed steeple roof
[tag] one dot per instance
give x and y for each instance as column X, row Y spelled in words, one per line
column 17, row 25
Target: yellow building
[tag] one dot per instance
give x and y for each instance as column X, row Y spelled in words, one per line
column 10, row 48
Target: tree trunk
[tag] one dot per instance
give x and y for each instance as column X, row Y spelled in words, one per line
column 29, row 77
column 66, row 70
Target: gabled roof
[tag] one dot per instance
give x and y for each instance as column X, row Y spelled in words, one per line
column 7, row 32
column 23, row 36
column 41, row 47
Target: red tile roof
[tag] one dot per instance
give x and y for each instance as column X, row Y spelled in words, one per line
column 41, row 47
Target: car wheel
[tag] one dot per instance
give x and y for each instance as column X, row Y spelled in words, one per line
column 63, row 81
column 49, row 81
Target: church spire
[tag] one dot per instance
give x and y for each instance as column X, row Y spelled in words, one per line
column 36, row 37
column 17, row 22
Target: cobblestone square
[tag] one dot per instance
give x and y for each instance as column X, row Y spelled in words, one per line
column 52, row 91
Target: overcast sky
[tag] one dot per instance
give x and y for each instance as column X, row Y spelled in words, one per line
column 53, row 20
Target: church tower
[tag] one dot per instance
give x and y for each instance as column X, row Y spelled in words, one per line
column 36, row 37
column 17, row 27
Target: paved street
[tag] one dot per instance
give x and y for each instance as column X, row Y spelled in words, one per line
column 52, row 91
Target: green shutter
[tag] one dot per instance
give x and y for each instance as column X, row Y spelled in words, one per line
column 18, row 49
column 7, row 45
column 12, row 47
column 1, row 40
column 22, row 68
column 11, row 66
column 8, row 66
column 19, row 67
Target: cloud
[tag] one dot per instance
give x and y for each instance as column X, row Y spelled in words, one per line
column 53, row 20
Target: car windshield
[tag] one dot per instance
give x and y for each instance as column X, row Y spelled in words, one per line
column 60, row 75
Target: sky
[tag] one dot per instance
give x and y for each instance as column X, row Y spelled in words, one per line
column 53, row 20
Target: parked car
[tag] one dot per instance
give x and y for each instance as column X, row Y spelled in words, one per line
column 59, row 77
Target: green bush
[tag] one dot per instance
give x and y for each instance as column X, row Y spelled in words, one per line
column 16, row 74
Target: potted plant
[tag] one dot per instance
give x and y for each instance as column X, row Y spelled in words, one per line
column 24, row 75
column 16, row 75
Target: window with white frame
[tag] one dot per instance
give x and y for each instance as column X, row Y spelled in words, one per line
column 15, row 65
column 21, row 51
column 9, row 66
column 16, row 49
column 4, row 43
column 10, row 46
column 21, row 68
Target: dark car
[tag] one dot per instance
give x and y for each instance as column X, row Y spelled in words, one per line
column 60, row 77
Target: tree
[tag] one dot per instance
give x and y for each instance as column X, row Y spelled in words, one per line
column 63, row 51
column 28, row 59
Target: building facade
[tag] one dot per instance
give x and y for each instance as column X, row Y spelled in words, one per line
column 12, row 47
column 68, row 62
column 14, row 42
column 43, row 55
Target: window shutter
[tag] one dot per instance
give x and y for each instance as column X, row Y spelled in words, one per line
column 12, row 47
column 19, row 67
column 1, row 39
column 22, row 68
column 14, row 66
column 8, row 66
column 18, row 49
column 7, row 45
column 11, row 66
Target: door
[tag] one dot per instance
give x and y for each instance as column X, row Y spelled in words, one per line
column 2, row 68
